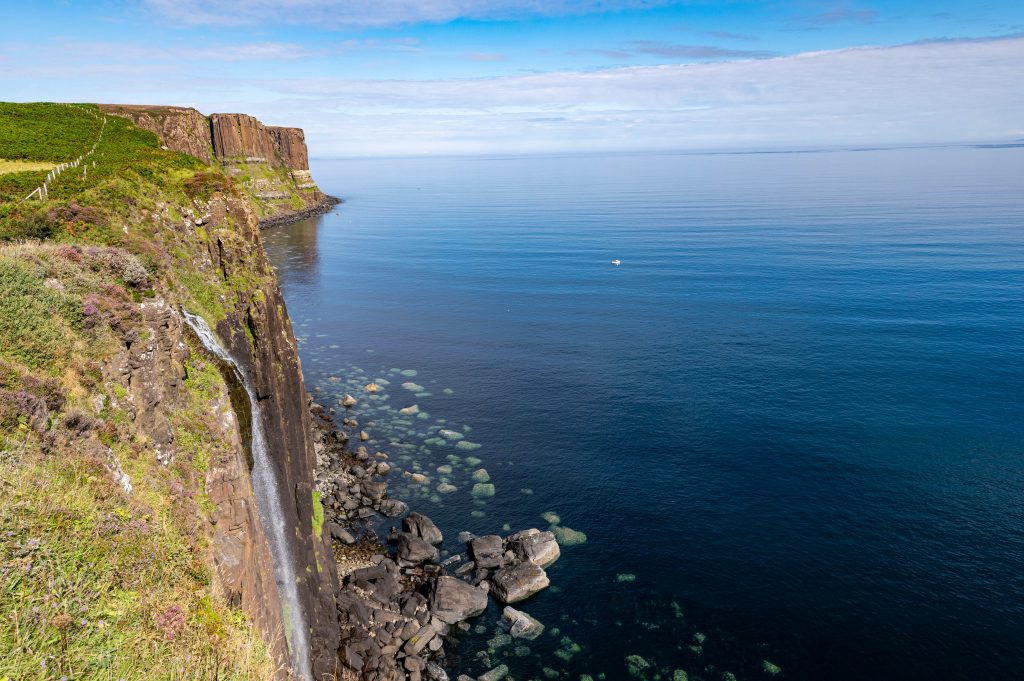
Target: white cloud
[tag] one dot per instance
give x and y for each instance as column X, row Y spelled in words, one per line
column 928, row 92
column 366, row 13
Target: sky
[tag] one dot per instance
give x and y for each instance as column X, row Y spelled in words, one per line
column 415, row 77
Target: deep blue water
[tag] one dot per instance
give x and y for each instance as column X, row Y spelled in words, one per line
column 794, row 411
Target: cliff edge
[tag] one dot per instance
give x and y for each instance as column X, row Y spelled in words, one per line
column 133, row 541
column 271, row 163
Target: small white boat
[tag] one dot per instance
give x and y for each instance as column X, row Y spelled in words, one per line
column 616, row 262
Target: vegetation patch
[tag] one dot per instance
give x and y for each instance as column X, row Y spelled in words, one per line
column 37, row 322
column 97, row 585
column 24, row 166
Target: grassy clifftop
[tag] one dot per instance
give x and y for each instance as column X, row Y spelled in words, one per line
column 111, row 420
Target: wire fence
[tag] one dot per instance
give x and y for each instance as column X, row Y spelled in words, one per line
column 42, row 192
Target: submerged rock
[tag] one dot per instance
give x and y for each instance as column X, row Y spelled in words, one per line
column 392, row 508
column 412, row 387
column 636, row 665
column 483, row 490
column 496, row 674
column 566, row 536
column 450, row 434
column 348, row 401
column 414, row 409
column 481, row 475
column 467, row 445
column 551, row 517
column 371, row 387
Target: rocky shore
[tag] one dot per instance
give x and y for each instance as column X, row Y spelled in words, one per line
column 320, row 208
column 399, row 604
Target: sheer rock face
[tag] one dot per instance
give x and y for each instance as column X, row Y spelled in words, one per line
column 229, row 136
column 237, row 136
column 257, row 333
column 273, row 362
column 179, row 128
column 241, row 136
column 291, row 146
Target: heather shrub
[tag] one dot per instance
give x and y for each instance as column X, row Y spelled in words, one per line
column 121, row 264
column 203, row 185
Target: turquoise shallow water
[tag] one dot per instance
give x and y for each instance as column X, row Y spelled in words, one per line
column 789, row 423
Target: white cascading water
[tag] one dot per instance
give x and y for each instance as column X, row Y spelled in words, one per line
column 268, row 500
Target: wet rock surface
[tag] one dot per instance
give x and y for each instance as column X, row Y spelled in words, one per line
column 398, row 606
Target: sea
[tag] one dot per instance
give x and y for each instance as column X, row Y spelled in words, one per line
column 783, row 438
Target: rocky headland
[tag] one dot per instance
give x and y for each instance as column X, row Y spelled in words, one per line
column 151, row 387
column 271, row 162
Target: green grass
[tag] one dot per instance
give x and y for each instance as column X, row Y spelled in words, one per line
column 318, row 515
column 92, row 581
column 23, row 166
column 37, row 323
column 47, row 132
column 94, row 585
column 126, row 160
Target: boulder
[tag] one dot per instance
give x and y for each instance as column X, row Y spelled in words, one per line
column 374, row 490
column 435, row 672
column 520, row 625
column 414, row 551
column 340, row 534
column 393, row 508
column 534, row 546
column 423, row 527
column 518, row 582
column 420, row 640
column 453, row 600
column 487, row 551
column 483, row 490
column 496, row 674
column 348, row 401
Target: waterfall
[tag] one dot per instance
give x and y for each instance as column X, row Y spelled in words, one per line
column 268, row 500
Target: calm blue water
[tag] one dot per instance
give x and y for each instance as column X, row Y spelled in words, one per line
column 794, row 412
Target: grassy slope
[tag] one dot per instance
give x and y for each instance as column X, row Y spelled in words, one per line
column 96, row 583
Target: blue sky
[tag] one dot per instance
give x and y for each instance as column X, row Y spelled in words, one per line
column 369, row 77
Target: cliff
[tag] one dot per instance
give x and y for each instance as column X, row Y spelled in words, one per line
column 129, row 517
column 271, row 163
column 181, row 129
